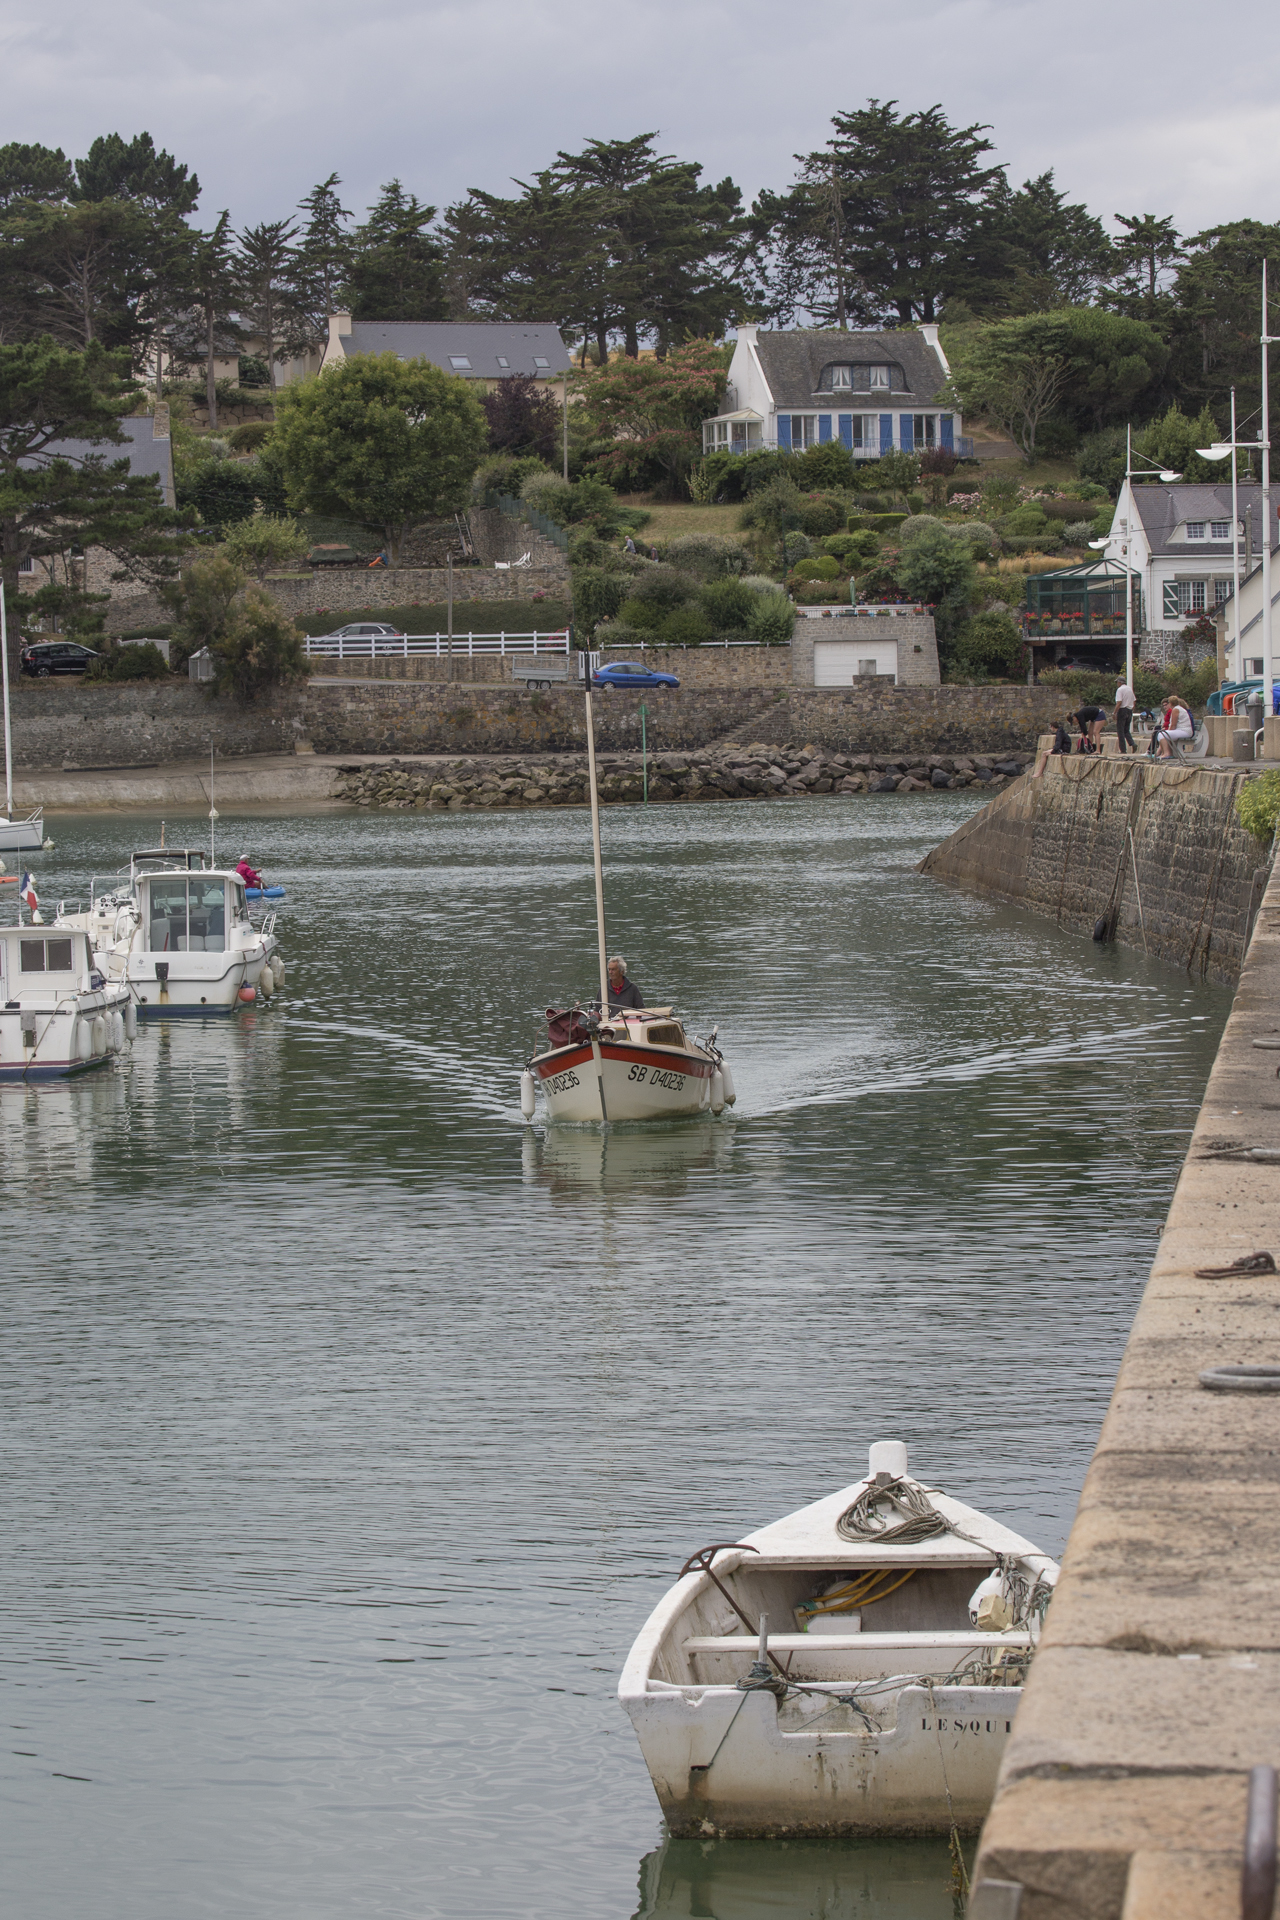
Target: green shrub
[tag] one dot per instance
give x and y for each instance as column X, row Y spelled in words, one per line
column 917, row 523
column 848, row 547
column 797, row 548
column 727, row 604
column 820, row 593
column 687, row 626
column 875, row 522
column 874, row 503
column 136, row 660
column 827, row 465
column 822, row 566
column 710, row 556
column 663, row 587
column 772, row 619
column 259, row 648
column 1078, row 533
column 618, row 636
column 1026, row 521
column 507, row 473
column 597, row 596
column 250, row 435
column 984, row 540
column 1258, row 805
column 219, row 492
column 821, row 514
column 643, row 615
column 992, row 644
column 254, row 372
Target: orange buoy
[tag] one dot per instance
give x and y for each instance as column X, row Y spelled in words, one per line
column 247, row 994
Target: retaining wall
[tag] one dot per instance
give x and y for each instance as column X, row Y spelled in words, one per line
column 58, row 723
column 1184, row 889
column 340, row 587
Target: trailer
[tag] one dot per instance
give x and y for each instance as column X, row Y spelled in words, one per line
column 546, row 670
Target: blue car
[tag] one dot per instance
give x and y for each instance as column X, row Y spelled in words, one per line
column 630, row 673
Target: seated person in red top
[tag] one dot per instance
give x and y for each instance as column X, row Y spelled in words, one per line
column 622, row 992
column 246, row 872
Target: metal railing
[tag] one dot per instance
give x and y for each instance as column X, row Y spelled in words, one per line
column 433, row 646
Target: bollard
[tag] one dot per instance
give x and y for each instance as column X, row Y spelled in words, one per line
column 1258, row 1875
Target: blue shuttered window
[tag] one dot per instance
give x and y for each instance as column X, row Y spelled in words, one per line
column 946, row 432
column 784, row 431
column 886, row 433
column 824, row 428
column 846, row 430
column 907, row 432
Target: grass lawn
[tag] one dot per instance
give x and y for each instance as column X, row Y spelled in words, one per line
column 670, row 518
column 469, row 616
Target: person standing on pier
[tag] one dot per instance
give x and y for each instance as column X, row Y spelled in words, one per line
column 1126, row 701
column 1091, row 721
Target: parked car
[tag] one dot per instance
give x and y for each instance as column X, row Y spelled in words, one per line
column 630, row 673
column 363, row 630
column 44, row 657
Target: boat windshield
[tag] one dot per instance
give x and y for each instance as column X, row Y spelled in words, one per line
column 186, row 914
column 167, row 859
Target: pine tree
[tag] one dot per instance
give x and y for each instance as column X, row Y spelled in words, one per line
column 323, row 253
column 396, row 267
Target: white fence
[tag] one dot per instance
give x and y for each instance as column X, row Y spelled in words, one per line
column 433, row 646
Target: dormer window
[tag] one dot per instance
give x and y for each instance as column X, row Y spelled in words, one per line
column 1195, row 529
column 859, row 379
column 1219, row 529
column 878, row 377
column 839, row 379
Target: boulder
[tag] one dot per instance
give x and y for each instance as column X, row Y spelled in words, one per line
column 1009, row 768
column 939, row 778
column 884, row 783
column 908, row 785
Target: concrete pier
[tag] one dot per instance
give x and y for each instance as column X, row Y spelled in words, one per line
column 1157, row 1686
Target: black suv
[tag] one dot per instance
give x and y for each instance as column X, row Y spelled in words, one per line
column 56, row 656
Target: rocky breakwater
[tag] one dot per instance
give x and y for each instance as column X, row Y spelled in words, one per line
column 732, row 772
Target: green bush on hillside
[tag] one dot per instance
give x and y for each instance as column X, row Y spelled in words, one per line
column 1258, row 805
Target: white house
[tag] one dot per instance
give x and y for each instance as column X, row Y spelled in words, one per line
column 1177, row 540
column 874, row 392
column 485, row 351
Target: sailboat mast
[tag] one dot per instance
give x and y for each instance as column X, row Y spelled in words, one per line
column 8, row 731
column 595, row 842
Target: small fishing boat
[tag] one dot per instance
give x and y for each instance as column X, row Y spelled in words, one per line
column 178, row 932
column 852, row 1668
column 629, row 1064
column 58, row 1016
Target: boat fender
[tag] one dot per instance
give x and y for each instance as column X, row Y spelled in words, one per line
column 988, row 1607
column 277, row 969
column 730, row 1095
column 266, row 981
column 528, row 1100
column 717, row 1091
column 84, row 1039
column 99, row 1035
column 131, row 1021
column 247, row 994
column 117, row 1030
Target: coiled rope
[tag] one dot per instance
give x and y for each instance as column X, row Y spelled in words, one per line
column 920, row 1518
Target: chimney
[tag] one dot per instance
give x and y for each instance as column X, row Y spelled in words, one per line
column 748, row 333
column 929, row 328
column 160, row 421
column 339, row 323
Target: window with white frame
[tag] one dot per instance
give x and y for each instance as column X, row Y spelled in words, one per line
column 878, row 377
column 837, row 379
column 1195, row 529
column 1191, row 596
column 459, row 361
column 1221, row 591
column 926, row 429
column 27, row 566
column 1219, row 529
column 804, row 430
column 538, row 361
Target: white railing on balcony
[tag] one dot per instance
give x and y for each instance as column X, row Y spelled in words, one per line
column 433, row 646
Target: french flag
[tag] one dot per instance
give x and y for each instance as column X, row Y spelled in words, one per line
column 27, row 892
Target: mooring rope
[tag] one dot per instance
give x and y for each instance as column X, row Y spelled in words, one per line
column 920, row 1518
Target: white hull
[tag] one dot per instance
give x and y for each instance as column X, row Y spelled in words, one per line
column 929, row 1698
column 56, row 1019
column 22, row 836
column 650, row 1083
column 197, row 983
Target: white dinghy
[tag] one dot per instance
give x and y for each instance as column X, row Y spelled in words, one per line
column 852, row 1668
column 630, row 1064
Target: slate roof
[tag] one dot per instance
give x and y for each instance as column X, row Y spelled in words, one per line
column 793, row 364
column 479, row 341
column 1162, row 510
column 143, row 451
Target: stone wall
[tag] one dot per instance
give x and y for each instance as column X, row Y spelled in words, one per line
column 71, row 724
column 57, row 723
column 713, row 666
column 1169, row 646
column 1058, row 843
column 333, row 589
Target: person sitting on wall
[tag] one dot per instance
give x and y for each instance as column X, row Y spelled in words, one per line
column 622, row 992
column 247, row 873
column 1175, row 726
column 1061, row 737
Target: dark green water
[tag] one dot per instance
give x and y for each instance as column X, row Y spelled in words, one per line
column 353, row 1428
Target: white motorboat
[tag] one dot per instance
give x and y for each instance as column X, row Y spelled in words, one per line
column 178, row 932
column 58, row 1016
column 21, row 836
column 852, row 1668
column 630, row 1064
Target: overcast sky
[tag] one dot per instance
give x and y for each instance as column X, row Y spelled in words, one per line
column 1139, row 108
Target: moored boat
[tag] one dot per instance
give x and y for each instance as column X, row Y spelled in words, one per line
column 58, row 1016
column 21, row 836
column 854, row 1667
column 179, row 934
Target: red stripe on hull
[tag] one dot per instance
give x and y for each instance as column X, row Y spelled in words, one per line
column 669, row 1062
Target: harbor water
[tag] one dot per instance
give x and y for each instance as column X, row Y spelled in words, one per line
column 353, row 1427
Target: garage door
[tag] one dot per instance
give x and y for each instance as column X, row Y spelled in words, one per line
column 841, row 663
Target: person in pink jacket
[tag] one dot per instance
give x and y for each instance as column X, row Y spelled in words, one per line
column 247, row 873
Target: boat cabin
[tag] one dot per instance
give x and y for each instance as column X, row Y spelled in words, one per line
column 189, row 910
column 40, row 966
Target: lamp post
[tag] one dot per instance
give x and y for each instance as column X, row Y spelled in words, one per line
column 1130, row 471
column 1219, row 451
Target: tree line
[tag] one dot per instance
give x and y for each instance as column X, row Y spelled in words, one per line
column 899, row 217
